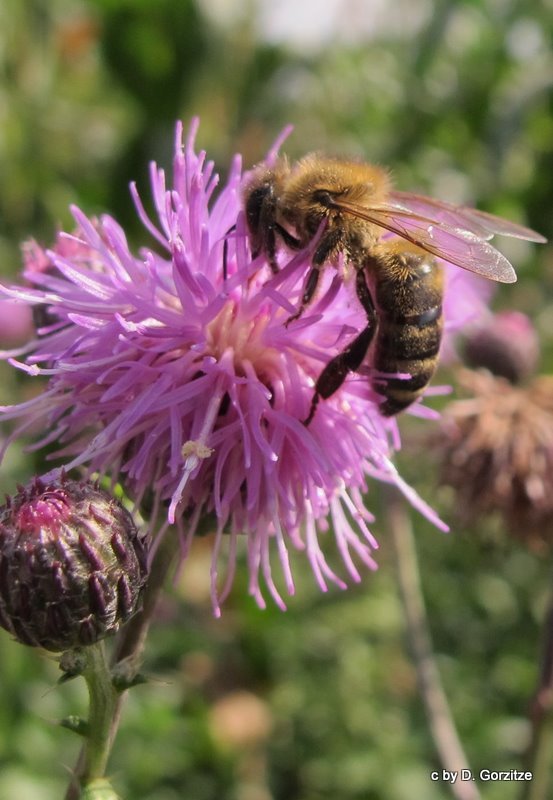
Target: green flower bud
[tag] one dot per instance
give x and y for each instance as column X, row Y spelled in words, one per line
column 72, row 564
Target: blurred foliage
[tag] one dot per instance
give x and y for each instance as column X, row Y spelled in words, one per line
column 456, row 97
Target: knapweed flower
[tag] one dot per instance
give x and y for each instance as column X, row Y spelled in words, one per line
column 180, row 379
column 496, row 445
column 72, row 564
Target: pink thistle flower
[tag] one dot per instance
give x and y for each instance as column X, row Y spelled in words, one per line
column 190, row 390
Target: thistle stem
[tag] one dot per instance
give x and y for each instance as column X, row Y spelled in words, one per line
column 103, row 705
column 106, row 702
column 540, row 748
column 438, row 712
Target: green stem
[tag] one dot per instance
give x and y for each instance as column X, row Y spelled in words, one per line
column 540, row 749
column 106, row 702
column 103, row 705
column 438, row 712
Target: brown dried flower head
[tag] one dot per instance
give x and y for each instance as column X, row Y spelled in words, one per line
column 497, row 453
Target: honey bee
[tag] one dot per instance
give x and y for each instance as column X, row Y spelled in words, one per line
column 350, row 208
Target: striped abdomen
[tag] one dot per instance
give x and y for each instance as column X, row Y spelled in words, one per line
column 408, row 293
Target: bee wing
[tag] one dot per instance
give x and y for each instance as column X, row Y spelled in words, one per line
column 458, row 246
column 481, row 223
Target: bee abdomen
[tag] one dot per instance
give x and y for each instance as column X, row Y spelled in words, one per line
column 408, row 345
column 401, row 393
column 409, row 337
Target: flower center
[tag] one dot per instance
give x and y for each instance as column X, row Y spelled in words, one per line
column 244, row 336
column 48, row 511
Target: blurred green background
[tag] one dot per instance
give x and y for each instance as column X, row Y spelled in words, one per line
column 320, row 702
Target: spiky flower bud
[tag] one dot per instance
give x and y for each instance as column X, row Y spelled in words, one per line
column 72, row 564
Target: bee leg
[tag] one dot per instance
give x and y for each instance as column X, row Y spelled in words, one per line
column 269, row 245
column 351, row 358
column 225, row 252
column 260, row 208
column 289, row 240
column 310, row 288
column 330, row 241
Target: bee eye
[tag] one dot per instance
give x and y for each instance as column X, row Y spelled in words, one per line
column 323, row 197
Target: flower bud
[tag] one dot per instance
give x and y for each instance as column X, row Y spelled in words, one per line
column 507, row 345
column 72, row 564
